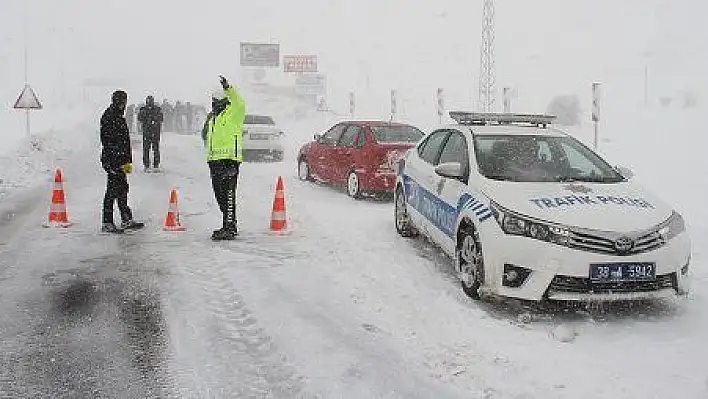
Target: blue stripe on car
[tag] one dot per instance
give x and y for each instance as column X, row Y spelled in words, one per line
column 440, row 213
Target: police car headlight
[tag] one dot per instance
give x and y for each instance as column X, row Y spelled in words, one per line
column 515, row 224
column 674, row 226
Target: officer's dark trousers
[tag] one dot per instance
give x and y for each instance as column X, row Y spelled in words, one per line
column 224, row 180
column 151, row 141
column 116, row 191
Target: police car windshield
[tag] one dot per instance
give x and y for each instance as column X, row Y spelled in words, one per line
column 397, row 134
column 258, row 120
column 527, row 158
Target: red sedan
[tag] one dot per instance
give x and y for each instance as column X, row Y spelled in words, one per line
column 363, row 156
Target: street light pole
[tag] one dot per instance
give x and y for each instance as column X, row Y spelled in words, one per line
column 646, row 54
column 646, row 83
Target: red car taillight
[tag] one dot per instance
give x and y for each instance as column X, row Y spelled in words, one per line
column 382, row 163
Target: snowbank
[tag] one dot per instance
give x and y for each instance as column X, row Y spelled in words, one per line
column 27, row 161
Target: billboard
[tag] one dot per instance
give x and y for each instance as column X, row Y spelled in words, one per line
column 300, row 63
column 260, row 55
column 311, row 84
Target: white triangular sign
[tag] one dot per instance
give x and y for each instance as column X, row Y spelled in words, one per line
column 28, row 99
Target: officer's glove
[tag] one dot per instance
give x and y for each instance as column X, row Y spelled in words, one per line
column 127, row 168
column 224, row 82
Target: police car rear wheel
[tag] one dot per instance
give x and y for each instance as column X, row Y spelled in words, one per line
column 353, row 186
column 403, row 221
column 470, row 263
column 303, row 170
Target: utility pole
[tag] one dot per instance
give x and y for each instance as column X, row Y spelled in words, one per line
column 487, row 70
column 646, row 84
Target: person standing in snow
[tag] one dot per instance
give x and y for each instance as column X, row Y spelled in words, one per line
column 222, row 138
column 189, row 113
column 130, row 117
column 117, row 161
column 179, row 117
column 168, row 116
column 150, row 116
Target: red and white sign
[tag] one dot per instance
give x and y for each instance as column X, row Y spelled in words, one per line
column 440, row 97
column 300, row 63
column 507, row 99
column 27, row 99
column 595, row 102
column 394, row 104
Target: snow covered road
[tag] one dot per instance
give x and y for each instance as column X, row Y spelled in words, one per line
column 341, row 307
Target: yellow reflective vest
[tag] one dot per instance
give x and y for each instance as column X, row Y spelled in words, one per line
column 224, row 132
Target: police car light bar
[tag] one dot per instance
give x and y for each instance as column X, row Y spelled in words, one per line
column 477, row 118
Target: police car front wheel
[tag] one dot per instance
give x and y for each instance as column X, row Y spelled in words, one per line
column 470, row 264
column 403, row 221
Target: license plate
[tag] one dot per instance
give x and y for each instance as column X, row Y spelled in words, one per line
column 619, row 272
column 258, row 136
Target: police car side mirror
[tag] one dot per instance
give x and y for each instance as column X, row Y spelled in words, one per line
column 625, row 171
column 450, row 170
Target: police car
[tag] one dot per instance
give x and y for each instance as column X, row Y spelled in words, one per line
column 529, row 212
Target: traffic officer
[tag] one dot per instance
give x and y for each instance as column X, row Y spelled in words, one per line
column 222, row 138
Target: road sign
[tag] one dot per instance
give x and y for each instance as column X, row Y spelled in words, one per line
column 300, row 63
column 27, row 99
column 260, row 55
column 311, row 84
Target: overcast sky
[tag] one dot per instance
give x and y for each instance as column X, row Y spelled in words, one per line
column 175, row 48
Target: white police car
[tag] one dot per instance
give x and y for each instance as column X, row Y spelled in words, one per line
column 529, row 212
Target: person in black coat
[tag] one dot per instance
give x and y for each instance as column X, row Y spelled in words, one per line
column 117, row 161
column 150, row 117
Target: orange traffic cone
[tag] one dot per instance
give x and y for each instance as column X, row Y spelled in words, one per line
column 278, row 220
column 172, row 222
column 58, row 216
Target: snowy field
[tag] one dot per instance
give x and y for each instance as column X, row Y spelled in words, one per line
column 343, row 306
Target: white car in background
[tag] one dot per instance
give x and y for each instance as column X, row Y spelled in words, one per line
column 529, row 212
column 262, row 139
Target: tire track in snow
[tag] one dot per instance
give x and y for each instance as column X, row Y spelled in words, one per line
column 247, row 356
